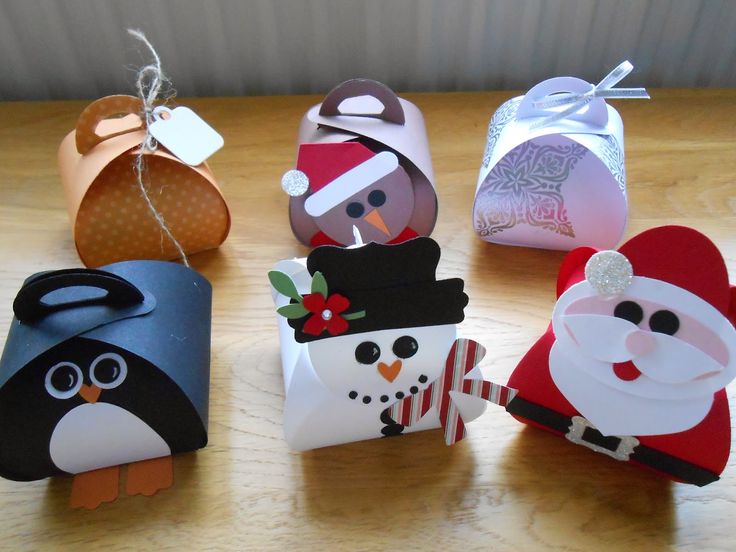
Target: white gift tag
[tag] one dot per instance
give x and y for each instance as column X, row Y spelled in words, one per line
column 185, row 134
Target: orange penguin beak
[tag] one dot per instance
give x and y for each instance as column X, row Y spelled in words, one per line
column 374, row 218
column 90, row 393
column 389, row 371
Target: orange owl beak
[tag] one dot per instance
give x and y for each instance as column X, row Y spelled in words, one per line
column 389, row 371
column 90, row 393
column 374, row 218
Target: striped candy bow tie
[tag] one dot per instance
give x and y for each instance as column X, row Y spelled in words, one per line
column 463, row 357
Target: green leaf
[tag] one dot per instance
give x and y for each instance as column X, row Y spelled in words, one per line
column 354, row 315
column 283, row 284
column 292, row 311
column 319, row 284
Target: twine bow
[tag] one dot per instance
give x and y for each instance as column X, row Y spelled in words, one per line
column 464, row 355
column 576, row 101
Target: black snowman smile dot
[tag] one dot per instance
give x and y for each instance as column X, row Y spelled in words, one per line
column 366, row 399
column 353, row 394
column 384, row 398
column 399, row 395
column 423, row 379
column 413, row 389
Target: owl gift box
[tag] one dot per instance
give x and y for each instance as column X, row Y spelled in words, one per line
column 110, row 216
column 364, row 329
column 553, row 172
column 103, row 368
column 363, row 160
column 635, row 361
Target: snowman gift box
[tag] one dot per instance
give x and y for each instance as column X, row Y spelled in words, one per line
column 553, row 171
column 369, row 339
column 363, row 160
column 111, row 219
column 102, row 368
column 634, row 364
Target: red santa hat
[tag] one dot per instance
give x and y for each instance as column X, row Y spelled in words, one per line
column 678, row 255
column 335, row 172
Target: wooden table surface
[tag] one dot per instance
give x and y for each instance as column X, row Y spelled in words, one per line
column 507, row 487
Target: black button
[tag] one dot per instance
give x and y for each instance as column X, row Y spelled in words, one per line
column 377, row 198
column 664, row 321
column 629, row 310
column 367, row 352
column 405, row 346
column 355, row 209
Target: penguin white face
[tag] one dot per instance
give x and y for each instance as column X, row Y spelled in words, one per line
column 378, row 368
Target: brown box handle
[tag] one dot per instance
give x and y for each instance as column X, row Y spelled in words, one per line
column 392, row 110
column 104, row 108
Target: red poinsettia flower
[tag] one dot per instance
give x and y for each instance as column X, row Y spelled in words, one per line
column 326, row 314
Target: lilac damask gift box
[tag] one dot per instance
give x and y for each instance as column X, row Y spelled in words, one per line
column 553, row 173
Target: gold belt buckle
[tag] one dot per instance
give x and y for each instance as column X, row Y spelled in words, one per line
column 623, row 451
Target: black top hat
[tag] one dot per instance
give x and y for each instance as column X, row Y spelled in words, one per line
column 395, row 285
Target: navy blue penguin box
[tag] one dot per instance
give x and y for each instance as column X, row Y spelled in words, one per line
column 105, row 367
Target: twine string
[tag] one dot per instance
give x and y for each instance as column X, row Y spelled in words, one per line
column 149, row 82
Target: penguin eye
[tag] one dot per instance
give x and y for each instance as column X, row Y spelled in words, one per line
column 664, row 321
column 63, row 380
column 406, row 346
column 108, row 371
column 629, row 310
column 377, row 198
column 367, row 352
column 355, row 209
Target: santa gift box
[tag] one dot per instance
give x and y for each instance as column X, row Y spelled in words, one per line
column 363, row 160
column 102, row 368
column 634, row 364
column 553, row 173
column 365, row 329
column 110, row 215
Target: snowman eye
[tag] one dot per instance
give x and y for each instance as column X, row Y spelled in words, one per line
column 63, row 380
column 377, row 198
column 406, row 346
column 108, row 371
column 355, row 209
column 367, row 352
column 664, row 321
column 629, row 310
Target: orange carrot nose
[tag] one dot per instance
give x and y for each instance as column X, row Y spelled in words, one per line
column 90, row 393
column 374, row 218
column 390, row 371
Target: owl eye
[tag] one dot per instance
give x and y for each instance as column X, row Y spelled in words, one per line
column 63, row 380
column 355, row 209
column 377, row 198
column 108, row 371
column 405, row 346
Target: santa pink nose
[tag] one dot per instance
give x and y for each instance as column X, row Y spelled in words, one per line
column 640, row 343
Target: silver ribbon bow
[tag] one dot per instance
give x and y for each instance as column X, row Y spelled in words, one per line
column 577, row 101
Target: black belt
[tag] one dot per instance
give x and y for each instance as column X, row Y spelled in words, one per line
column 578, row 430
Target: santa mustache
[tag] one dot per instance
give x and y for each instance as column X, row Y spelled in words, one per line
column 667, row 359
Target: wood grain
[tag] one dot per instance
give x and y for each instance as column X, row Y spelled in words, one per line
column 506, row 487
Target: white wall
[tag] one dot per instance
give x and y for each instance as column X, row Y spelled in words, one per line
column 79, row 48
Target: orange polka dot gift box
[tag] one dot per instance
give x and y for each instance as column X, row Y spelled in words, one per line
column 110, row 213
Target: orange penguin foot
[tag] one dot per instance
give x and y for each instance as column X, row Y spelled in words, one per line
column 92, row 488
column 149, row 476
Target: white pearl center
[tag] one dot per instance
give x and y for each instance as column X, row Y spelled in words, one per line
column 326, row 314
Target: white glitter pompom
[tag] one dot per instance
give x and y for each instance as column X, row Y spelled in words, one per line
column 609, row 272
column 295, row 182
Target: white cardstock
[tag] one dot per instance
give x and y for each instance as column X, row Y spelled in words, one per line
column 185, row 134
column 319, row 377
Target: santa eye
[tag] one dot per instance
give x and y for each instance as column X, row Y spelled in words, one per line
column 367, row 352
column 108, row 371
column 405, row 347
column 664, row 321
column 355, row 209
column 63, row 380
column 377, row 198
column 629, row 310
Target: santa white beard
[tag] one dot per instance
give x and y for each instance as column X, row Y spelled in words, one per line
column 673, row 393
